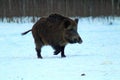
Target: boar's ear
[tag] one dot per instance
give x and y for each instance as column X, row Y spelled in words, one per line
column 76, row 20
column 66, row 23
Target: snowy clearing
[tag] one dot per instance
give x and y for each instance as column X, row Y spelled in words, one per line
column 97, row 58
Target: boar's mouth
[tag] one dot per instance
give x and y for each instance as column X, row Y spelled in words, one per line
column 72, row 42
column 77, row 40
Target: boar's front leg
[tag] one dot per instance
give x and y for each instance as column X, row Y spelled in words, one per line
column 59, row 49
column 62, row 51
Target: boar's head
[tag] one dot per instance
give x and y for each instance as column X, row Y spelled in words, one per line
column 70, row 31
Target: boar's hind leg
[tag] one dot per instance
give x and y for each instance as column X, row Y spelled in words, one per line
column 38, row 42
column 59, row 49
column 38, row 53
column 38, row 49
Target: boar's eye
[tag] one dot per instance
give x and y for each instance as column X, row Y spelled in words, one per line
column 66, row 23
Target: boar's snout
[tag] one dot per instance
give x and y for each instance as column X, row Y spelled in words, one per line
column 73, row 37
column 77, row 39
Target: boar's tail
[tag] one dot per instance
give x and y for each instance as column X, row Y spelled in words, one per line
column 26, row 32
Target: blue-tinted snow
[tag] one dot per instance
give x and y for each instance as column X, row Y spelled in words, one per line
column 97, row 58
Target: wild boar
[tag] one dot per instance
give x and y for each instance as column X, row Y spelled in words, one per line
column 55, row 30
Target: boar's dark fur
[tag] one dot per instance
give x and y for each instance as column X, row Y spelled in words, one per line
column 55, row 30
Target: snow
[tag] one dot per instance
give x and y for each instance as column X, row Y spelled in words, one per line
column 97, row 58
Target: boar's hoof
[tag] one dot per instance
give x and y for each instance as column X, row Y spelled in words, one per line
column 63, row 56
column 56, row 52
column 40, row 57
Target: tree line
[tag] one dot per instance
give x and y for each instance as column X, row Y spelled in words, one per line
column 38, row 8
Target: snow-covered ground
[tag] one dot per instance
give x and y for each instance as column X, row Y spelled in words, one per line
column 97, row 58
